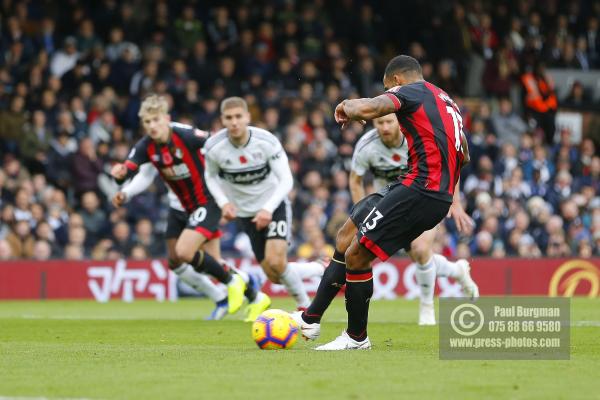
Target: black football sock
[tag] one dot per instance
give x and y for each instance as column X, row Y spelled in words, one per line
column 203, row 262
column 359, row 289
column 250, row 292
column 332, row 281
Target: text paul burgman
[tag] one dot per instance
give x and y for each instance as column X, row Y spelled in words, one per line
column 530, row 312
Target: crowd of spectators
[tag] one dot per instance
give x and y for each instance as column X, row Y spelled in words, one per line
column 72, row 74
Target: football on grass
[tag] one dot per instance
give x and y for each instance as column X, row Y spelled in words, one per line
column 274, row 329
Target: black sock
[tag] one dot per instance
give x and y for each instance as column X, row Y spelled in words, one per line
column 332, row 281
column 203, row 262
column 250, row 291
column 359, row 289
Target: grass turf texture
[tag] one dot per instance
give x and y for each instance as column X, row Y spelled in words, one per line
column 148, row 350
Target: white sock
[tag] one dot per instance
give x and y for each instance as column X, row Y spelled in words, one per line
column 308, row 269
column 425, row 275
column 291, row 280
column 446, row 268
column 200, row 282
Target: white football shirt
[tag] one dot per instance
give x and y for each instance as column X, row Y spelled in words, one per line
column 253, row 176
column 385, row 163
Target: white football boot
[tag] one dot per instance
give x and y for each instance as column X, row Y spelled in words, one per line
column 309, row 331
column 469, row 287
column 426, row 314
column 345, row 342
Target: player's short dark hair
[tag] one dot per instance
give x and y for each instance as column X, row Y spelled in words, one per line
column 403, row 64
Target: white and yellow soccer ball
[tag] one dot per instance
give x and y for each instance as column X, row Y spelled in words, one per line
column 275, row 329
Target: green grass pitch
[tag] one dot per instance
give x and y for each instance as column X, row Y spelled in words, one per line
column 148, row 350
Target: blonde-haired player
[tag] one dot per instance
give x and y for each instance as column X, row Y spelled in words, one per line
column 174, row 150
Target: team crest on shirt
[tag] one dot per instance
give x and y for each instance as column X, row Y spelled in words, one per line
column 243, row 160
column 178, row 153
column 155, row 157
column 167, row 158
column 446, row 99
column 396, row 157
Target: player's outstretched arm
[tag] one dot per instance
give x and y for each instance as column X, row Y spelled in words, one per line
column 140, row 182
column 364, row 109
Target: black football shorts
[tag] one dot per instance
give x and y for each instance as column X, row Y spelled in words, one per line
column 205, row 219
column 278, row 228
column 399, row 217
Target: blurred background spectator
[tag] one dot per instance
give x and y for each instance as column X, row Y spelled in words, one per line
column 71, row 84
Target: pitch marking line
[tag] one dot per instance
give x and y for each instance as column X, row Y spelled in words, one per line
column 42, row 398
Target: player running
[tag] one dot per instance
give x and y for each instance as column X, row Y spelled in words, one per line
column 248, row 174
column 384, row 152
column 174, row 150
column 176, row 223
column 432, row 125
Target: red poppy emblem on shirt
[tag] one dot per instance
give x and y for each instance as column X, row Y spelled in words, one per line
column 243, row 160
column 396, row 157
column 167, row 158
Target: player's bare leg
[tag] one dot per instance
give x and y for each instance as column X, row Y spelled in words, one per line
column 213, row 247
column 334, row 278
column 187, row 249
column 359, row 289
column 277, row 270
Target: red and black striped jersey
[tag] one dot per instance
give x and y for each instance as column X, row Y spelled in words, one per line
column 179, row 163
column 432, row 125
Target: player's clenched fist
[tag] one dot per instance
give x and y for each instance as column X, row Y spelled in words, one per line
column 262, row 219
column 229, row 211
column 119, row 199
column 340, row 115
column 464, row 223
column 119, row 171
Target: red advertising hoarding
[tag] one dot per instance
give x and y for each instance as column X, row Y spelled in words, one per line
column 128, row 280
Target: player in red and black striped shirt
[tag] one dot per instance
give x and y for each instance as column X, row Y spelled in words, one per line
column 180, row 165
column 174, row 150
column 432, row 125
